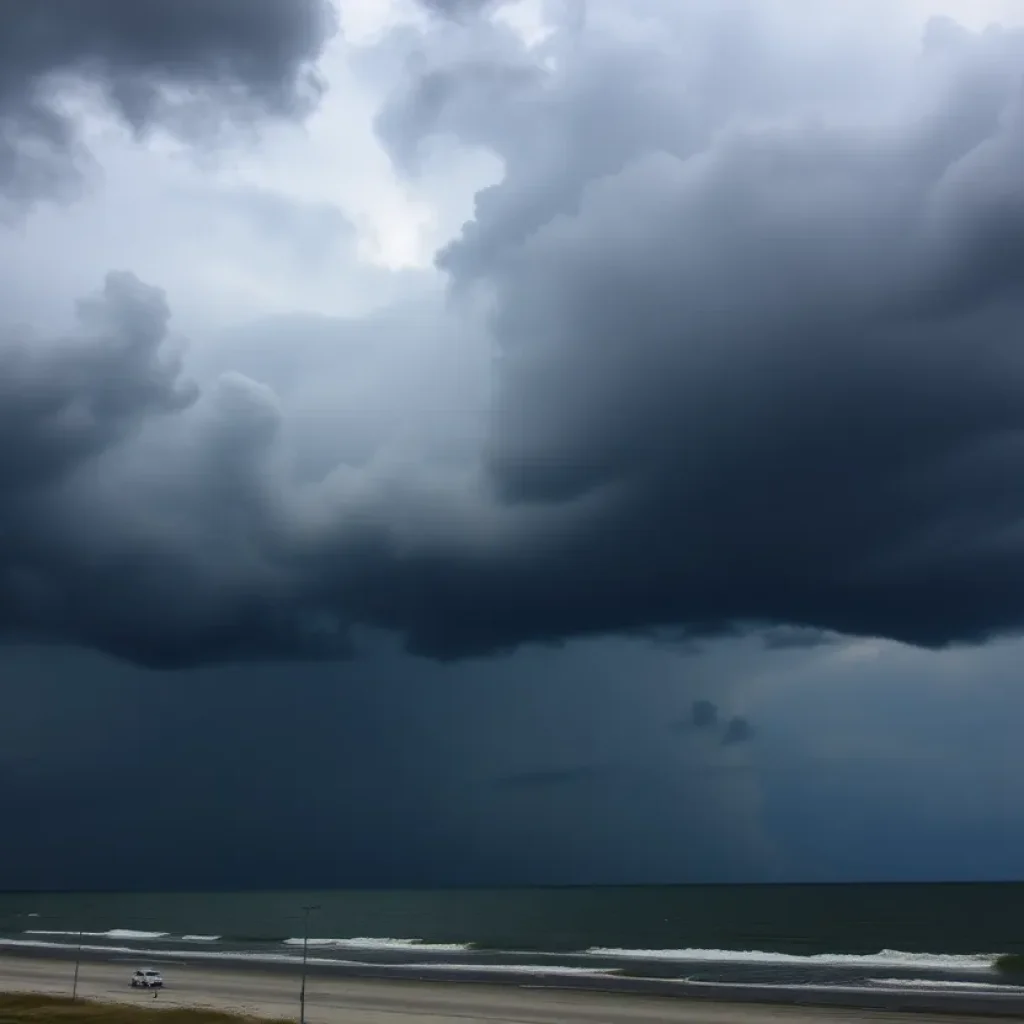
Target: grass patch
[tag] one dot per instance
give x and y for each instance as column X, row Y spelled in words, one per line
column 32, row 1009
column 1010, row 963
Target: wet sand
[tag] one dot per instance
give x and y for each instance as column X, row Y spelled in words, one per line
column 338, row 1000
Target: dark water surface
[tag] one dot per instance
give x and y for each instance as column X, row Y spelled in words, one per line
column 926, row 936
column 956, row 918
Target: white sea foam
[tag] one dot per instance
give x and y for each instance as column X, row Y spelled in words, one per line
column 182, row 954
column 897, row 985
column 371, row 943
column 513, row 968
column 200, row 938
column 885, row 958
column 290, row 958
column 696, row 956
column 113, row 933
column 945, row 986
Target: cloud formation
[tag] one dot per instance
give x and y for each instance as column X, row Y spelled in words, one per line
column 703, row 714
column 756, row 312
column 186, row 66
column 737, row 730
column 68, row 399
column 763, row 340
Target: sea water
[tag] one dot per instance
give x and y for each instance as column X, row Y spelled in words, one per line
column 923, row 937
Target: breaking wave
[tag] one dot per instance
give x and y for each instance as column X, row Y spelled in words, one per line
column 113, row 933
column 290, row 958
column 885, row 958
column 944, row 986
column 416, row 945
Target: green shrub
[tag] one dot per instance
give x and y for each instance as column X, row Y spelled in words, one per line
column 31, row 1009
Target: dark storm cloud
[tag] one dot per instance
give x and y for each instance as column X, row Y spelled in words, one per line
column 706, row 717
column 774, row 365
column 185, row 65
column 145, row 587
column 786, row 638
column 64, row 400
column 737, row 730
column 759, row 364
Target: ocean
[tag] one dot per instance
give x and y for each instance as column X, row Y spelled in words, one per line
column 846, row 937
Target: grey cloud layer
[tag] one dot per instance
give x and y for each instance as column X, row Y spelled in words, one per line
column 778, row 363
column 185, row 65
column 71, row 398
column 759, row 363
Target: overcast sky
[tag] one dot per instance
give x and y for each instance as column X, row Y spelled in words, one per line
column 486, row 442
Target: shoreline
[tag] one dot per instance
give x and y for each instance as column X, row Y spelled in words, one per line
column 52, row 969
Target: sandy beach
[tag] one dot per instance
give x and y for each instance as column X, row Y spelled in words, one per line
column 332, row 1000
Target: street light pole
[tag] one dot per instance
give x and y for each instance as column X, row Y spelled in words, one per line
column 78, row 961
column 305, row 946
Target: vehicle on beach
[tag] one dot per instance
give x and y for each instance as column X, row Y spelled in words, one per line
column 147, row 979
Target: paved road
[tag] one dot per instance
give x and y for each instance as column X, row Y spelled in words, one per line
column 348, row 1001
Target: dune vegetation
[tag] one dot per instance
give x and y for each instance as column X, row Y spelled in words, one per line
column 34, row 1009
